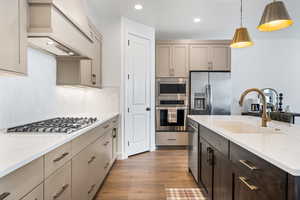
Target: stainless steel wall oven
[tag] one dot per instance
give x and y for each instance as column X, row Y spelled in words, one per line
column 171, row 104
column 171, row 119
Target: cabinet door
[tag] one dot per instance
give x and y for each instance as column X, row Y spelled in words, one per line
column 97, row 63
column 58, row 185
column 220, row 58
column 80, row 171
column 199, row 58
column 180, row 61
column 163, row 60
column 36, row 194
column 86, row 72
column 96, row 164
column 223, row 177
column 207, row 168
column 13, row 53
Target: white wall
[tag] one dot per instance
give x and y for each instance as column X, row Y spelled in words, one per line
column 36, row 96
column 269, row 63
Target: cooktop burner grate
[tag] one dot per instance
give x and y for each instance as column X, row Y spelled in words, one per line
column 55, row 125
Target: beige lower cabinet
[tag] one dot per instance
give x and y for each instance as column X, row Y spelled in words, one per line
column 172, row 139
column 80, row 175
column 58, row 185
column 90, row 166
column 36, row 194
column 57, row 158
column 20, row 182
column 63, row 174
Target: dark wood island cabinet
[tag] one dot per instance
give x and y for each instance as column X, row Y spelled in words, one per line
column 229, row 172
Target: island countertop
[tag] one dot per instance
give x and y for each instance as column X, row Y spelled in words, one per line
column 17, row 150
column 281, row 149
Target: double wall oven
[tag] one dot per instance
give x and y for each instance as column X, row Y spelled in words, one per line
column 171, row 104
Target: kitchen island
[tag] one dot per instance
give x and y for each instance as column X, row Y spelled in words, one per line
column 241, row 160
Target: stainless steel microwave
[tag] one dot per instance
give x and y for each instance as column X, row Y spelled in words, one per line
column 171, row 87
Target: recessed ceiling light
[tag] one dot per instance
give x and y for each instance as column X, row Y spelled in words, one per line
column 197, row 20
column 138, row 6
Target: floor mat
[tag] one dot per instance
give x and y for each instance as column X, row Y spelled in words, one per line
column 184, row 194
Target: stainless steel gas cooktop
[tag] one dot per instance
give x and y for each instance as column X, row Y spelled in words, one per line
column 55, row 125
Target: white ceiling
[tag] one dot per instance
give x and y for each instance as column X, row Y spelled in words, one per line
column 173, row 19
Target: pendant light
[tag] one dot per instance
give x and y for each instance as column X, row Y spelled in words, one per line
column 275, row 17
column 241, row 37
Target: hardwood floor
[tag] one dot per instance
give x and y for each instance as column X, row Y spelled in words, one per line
column 145, row 176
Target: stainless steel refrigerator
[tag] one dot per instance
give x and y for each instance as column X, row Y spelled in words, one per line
column 210, row 93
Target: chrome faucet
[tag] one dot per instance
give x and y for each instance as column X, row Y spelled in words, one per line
column 265, row 118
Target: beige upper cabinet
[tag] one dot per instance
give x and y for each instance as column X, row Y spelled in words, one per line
column 163, row 60
column 221, row 58
column 75, row 72
column 180, row 60
column 97, row 56
column 199, row 57
column 13, row 22
column 209, row 58
column 171, row 60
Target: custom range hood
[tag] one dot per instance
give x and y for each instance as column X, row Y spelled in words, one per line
column 52, row 30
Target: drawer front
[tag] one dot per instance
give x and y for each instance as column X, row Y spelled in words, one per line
column 259, row 171
column 84, row 140
column 58, row 185
column 172, row 139
column 106, row 126
column 217, row 141
column 36, row 194
column 57, row 158
column 251, row 187
column 19, row 183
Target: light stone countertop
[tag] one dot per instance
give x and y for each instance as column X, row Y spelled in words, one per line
column 281, row 148
column 17, row 150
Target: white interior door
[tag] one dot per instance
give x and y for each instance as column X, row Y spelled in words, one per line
column 138, row 96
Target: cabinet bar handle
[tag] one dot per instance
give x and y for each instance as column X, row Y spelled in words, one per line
column 63, row 189
column 61, row 157
column 106, row 166
column 172, row 139
column 249, row 166
column 92, row 188
column 251, row 187
column 4, row 195
column 92, row 159
column 105, row 127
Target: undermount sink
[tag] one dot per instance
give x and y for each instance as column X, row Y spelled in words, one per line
column 245, row 128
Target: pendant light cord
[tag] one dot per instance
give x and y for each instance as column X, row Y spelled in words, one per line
column 241, row 13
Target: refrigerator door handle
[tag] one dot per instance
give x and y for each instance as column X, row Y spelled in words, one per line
column 210, row 99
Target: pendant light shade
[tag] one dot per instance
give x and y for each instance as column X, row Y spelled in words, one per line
column 275, row 17
column 241, row 37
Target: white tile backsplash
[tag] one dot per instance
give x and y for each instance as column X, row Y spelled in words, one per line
column 36, row 96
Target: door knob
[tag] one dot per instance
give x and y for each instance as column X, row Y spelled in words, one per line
column 148, row 109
